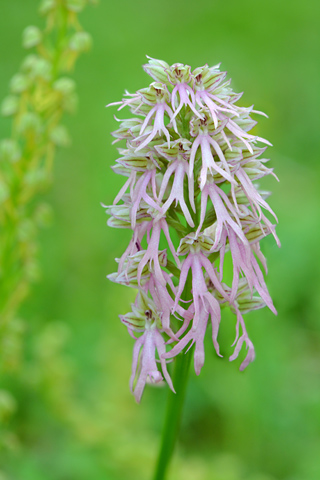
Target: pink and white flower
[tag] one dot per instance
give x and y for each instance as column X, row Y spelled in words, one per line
column 191, row 166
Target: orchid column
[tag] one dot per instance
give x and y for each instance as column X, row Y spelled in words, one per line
column 190, row 198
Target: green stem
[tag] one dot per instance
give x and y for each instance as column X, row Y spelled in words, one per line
column 173, row 414
column 174, row 407
column 63, row 22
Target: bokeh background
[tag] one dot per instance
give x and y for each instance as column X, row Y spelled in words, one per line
column 74, row 417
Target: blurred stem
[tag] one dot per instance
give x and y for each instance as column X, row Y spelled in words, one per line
column 63, row 21
column 174, row 407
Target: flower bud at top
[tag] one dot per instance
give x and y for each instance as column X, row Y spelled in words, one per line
column 31, row 37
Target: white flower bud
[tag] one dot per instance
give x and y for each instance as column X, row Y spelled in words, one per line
column 19, row 83
column 80, row 42
column 31, row 37
column 9, row 105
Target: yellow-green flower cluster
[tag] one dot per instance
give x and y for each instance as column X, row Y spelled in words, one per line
column 40, row 93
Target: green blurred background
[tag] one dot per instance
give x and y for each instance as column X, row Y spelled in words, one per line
column 75, row 418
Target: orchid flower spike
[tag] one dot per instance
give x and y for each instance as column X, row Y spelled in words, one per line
column 189, row 198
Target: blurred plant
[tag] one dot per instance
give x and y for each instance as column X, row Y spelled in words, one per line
column 191, row 145
column 97, row 417
column 39, row 96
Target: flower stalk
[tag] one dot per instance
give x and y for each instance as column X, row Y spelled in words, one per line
column 173, row 415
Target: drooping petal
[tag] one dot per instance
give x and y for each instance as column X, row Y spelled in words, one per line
column 161, row 347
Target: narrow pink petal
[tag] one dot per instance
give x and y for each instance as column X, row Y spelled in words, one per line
column 151, row 202
column 135, row 358
column 178, row 348
column 194, row 149
column 190, row 188
column 138, row 194
column 219, row 152
column 166, row 177
column 208, row 160
column 183, row 278
column 160, row 344
column 146, row 120
column 166, row 232
column 123, row 190
column 212, row 275
column 204, row 201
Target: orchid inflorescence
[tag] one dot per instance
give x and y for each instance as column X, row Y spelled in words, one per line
column 41, row 93
column 190, row 165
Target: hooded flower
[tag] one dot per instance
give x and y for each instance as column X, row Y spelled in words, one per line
column 144, row 318
column 197, row 249
column 178, row 156
column 206, row 137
